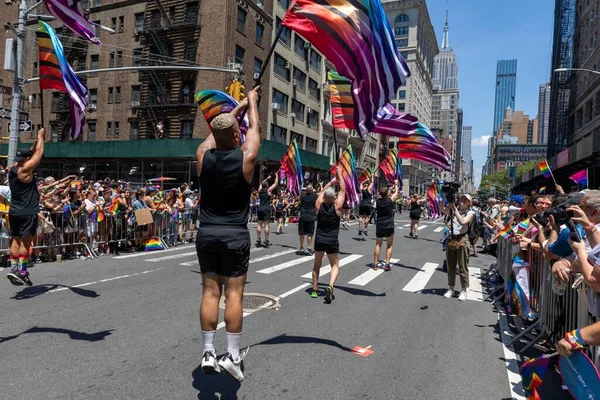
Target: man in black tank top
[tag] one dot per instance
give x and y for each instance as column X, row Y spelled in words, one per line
column 265, row 192
column 308, row 217
column 365, row 208
column 223, row 240
column 24, row 209
column 329, row 208
column 386, row 206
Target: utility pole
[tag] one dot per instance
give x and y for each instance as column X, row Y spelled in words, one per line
column 13, row 140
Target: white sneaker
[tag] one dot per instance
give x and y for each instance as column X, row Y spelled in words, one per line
column 449, row 293
column 462, row 296
column 233, row 367
column 209, row 363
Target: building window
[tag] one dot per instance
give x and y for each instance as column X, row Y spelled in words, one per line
column 111, row 95
column 189, row 52
column 191, row 13
column 119, row 58
column 136, row 93
column 121, row 23
column 155, row 19
column 300, row 78
column 402, row 18
column 402, row 94
column 97, row 23
column 239, row 55
column 137, row 58
column 81, row 63
column 401, row 107
column 139, row 22
column 94, row 61
column 311, row 145
column 284, row 3
column 298, row 109
column 257, row 65
column 315, row 60
column 187, row 129
column 35, row 69
column 286, row 34
column 91, row 131
column 108, row 129
column 313, row 89
column 33, row 100
column 313, row 118
column 96, row 3
column 299, row 139
column 113, row 23
column 111, row 62
column 187, row 95
column 278, row 134
column 401, row 31
column 401, row 42
column 94, row 97
column 118, row 94
column 299, row 44
column 134, row 129
column 260, row 30
column 281, row 67
column 404, row 55
column 116, row 130
column 241, row 20
column 281, row 99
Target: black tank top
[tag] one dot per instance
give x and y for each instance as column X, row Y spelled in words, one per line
column 366, row 198
column 225, row 191
column 385, row 213
column 415, row 207
column 25, row 199
column 308, row 206
column 328, row 224
column 265, row 199
column 279, row 206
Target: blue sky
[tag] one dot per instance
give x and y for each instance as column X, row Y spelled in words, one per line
column 483, row 32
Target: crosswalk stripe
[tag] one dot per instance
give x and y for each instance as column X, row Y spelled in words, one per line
column 419, row 281
column 285, row 265
column 441, row 228
column 146, row 254
column 159, row 259
column 475, row 289
column 422, row 227
column 407, row 225
column 327, row 269
column 195, row 262
column 370, row 274
column 269, row 256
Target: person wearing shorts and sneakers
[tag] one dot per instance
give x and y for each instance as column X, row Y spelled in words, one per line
column 329, row 208
column 265, row 192
column 24, row 209
column 223, row 241
column 385, row 225
column 306, row 223
column 364, row 210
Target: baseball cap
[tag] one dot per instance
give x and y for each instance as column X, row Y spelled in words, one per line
column 468, row 197
column 517, row 199
column 96, row 185
column 23, row 154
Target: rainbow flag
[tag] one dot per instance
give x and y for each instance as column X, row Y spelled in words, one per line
column 153, row 244
column 355, row 36
column 114, row 206
column 71, row 14
column 522, row 227
column 158, row 197
column 348, row 163
column 580, row 178
column 435, row 198
column 366, row 175
column 57, row 74
column 543, row 189
column 342, row 105
column 291, row 166
column 545, row 168
column 506, row 232
column 532, row 372
column 214, row 102
column 389, row 166
column 99, row 214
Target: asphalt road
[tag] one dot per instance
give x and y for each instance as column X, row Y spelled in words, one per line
column 127, row 328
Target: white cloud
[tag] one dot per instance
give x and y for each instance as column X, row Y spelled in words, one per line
column 480, row 141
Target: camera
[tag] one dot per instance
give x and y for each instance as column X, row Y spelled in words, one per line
column 450, row 189
column 560, row 214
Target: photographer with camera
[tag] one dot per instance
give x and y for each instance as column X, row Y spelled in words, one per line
column 457, row 246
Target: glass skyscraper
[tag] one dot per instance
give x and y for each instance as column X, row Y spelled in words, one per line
column 506, row 86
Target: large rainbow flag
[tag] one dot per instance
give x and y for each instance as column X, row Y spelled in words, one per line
column 391, row 166
column 57, row 74
column 291, row 165
column 366, row 175
column 342, row 105
column 350, row 177
column 435, row 198
column 215, row 102
column 355, row 36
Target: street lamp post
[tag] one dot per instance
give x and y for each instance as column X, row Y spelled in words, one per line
column 577, row 69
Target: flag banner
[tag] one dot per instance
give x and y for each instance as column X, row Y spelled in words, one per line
column 215, row 102
column 580, row 376
column 366, row 175
column 114, row 206
column 71, row 14
column 532, row 372
column 389, row 166
column 523, row 226
column 56, row 73
column 342, row 105
column 580, row 178
column 291, row 166
column 348, row 164
column 506, row 232
column 435, row 198
column 355, row 36
column 545, row 169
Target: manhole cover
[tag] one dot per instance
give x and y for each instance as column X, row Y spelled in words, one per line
column 255, row 301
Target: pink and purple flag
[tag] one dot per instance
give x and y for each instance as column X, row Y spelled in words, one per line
column 580, row 178
column 70, row 13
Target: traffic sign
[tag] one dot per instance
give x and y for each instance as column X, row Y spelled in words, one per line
column 5, row 114
column 24, row 126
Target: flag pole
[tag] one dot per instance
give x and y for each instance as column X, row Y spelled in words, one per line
column 42, row 107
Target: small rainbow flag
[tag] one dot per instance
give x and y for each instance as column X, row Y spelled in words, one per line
column 366, row 175
column 153, row 244
column 506, row 232
column 543, row 189
column 389, row 166
column 99, row 214
column 114, row 206
column 532, row 372
column 522, row 227
column 158, row 197
column 545, row 168
column 580, row 178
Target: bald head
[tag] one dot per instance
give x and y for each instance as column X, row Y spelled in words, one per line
column 225, row 129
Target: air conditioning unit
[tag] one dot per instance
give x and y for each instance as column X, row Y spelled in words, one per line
column 293, row 115
column 320, row 86
column 307, row 45
column 288, row 65
column 256, row 75
column 275, row 106
column 93, row 107
column 135, row 104
column 294, row 82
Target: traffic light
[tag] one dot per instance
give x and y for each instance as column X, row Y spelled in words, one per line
column 236, row 90
column 241, row 89
column 231, row 88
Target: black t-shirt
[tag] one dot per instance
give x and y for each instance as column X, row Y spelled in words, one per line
column 385, row 213
column 307, row 207
column 265, row 200
column 25, row 198
column 366, row 198
column 328, row 224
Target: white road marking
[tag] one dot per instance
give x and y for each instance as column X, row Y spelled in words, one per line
column 285, row 265
column 419, row 281
column 441, row 228
column 325, row 269
column 515, row 381
column 475, row 289
column 294, row 290
column 438, row 220
column 195, row 262
column 366, row 277
column 353, row 223
column 269, row 256
column 103, row 280
column 422, row 227
column 160, row 251
column 407, row 225
column 159, row 259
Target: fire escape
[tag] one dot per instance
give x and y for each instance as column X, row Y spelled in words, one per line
column 170, row 36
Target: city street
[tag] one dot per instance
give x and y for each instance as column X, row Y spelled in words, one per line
column 127, row 328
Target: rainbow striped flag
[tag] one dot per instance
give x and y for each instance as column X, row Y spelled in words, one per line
column 291, row 165
column 114, row 206
column 506, row 232
column 523, row 226
column 153, row 244
column 366, row 175
column 545, row 169
column 543, row 189
column 532, row 372
column 57, row 74
column 99, row 214
column 342, row 105
column 435, row 198
column 580, row 178
column 389, row 166
column 355, row 36
column 348, row 163
column 158, row 197
column 215, row 102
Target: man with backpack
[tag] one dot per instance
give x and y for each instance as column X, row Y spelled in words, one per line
column 475, row 227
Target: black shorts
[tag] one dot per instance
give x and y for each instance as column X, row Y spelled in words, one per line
column 306, row 227
column 415, row 216
column 278, row 214
column 345, row 207
column 23, row 226
column 264, row 215
column 223, row 251
column 329, row 248
column 384, row 233
column 365, row 211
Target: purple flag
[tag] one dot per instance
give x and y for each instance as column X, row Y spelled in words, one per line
column 70, row 13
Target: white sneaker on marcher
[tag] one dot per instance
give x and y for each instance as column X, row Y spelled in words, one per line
column 462, row 296
column 449, row 293
column 209, row 363
column 234, row 367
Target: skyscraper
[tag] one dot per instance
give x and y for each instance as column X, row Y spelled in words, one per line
column 506, row 86
column 467, row 135
column 445, row 68
column 543, row 113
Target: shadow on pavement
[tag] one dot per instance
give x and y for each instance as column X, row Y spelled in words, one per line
column 358, row 292
column 34, row 291
column 73, row 335
column 286, row 339
column 220, row 386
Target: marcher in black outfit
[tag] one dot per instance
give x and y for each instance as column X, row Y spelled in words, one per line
column 265, row 193
column 416, row 209
column 386, row 205
column 365, row 209
column 308, row 217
